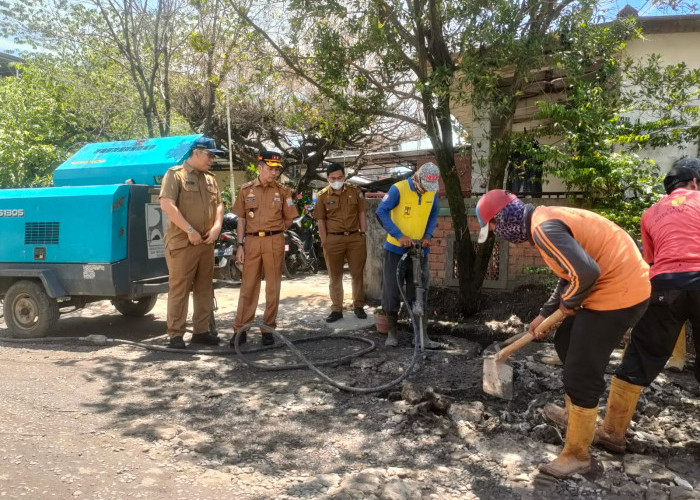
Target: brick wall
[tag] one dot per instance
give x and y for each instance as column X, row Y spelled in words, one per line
column 507, row 269
column 438, row 252
column 520, row 258
column 510, row 265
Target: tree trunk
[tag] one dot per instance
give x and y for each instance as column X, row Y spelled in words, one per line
column 501, row 128
column 210, row 99
column 167, row 104
column 440, row 133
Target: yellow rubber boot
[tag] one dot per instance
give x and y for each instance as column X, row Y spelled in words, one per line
column 621, row 404
column 677, row 361
column 557, row 414
column 574, row 458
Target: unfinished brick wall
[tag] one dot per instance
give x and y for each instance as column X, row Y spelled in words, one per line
column 510, row 265
column 438, row 252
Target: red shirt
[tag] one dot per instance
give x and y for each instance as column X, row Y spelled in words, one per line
column 671, row 233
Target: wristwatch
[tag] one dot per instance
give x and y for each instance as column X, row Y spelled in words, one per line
column 190, row 230
column 241, row 243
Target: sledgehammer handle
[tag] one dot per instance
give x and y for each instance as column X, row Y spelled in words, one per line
column 549, row 321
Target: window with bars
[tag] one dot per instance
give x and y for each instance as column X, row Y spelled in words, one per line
column 496, row 272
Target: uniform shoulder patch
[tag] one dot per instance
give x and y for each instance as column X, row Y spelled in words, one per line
column 247, row 184
column 324, row 190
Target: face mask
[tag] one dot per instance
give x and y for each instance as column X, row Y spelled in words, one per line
column 337, row 185
column 510, row 222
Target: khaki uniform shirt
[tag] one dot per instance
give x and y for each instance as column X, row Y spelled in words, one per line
column 196, row 195
column 265, row 208
column 340, row 211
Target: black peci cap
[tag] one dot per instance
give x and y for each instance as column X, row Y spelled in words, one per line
column 272, row 158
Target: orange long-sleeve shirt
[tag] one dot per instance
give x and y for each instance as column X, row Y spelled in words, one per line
column 600, row 263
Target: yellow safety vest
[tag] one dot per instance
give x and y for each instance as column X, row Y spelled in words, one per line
column 410, row 216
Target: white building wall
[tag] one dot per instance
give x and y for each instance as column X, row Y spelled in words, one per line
column 674, row 48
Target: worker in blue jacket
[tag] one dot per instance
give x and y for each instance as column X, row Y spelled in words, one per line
column 408, row 212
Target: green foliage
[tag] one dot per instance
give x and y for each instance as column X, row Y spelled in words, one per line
column 29, row 130
column 53, row 108
column 140, row 37
column 627, row 212
column 543, row 274
column 613, row 109
column 226, row 198
column 667, row 97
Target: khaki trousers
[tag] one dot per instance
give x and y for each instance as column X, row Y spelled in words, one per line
column 190, row 268
column 266, row 254
column 336, row 249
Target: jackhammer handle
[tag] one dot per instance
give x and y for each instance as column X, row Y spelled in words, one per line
column 551, row 320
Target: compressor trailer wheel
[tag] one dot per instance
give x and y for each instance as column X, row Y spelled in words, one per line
column 29, row 311
column 137, row 307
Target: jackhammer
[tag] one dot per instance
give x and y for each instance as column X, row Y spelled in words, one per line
column 416, row 255
column 417, row 312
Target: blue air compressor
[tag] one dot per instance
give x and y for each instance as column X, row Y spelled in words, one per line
column 96, row 234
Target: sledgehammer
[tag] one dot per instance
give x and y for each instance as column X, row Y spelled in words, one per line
column 498, row 376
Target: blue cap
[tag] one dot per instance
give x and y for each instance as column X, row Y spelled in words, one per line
column 207, row 144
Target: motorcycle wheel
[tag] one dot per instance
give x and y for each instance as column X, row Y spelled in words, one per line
column 230, row 272
column 313, row 262
column 219, row 274
column 290, row 267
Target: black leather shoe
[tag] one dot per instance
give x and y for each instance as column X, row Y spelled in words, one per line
column 334, row 316
column 243, row 336
column 177, row 343
column 267, row 338
column 205, row 339
column 360, row 313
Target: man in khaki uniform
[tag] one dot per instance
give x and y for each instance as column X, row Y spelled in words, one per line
column 265, row 209
column 191, row 199
column 342, row 222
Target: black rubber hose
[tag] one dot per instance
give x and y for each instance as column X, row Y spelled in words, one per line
column 102, row 340
column 314, row 366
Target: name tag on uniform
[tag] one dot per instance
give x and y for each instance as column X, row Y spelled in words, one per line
column 190, row 182
column 331, row 203
column 277, row 199
column 250, row 200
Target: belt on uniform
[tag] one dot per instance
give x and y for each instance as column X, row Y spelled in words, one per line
column 263, row 233
column 347, row 233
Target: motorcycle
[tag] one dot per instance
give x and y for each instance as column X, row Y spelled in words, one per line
column 299, row 248
column 225, row 267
